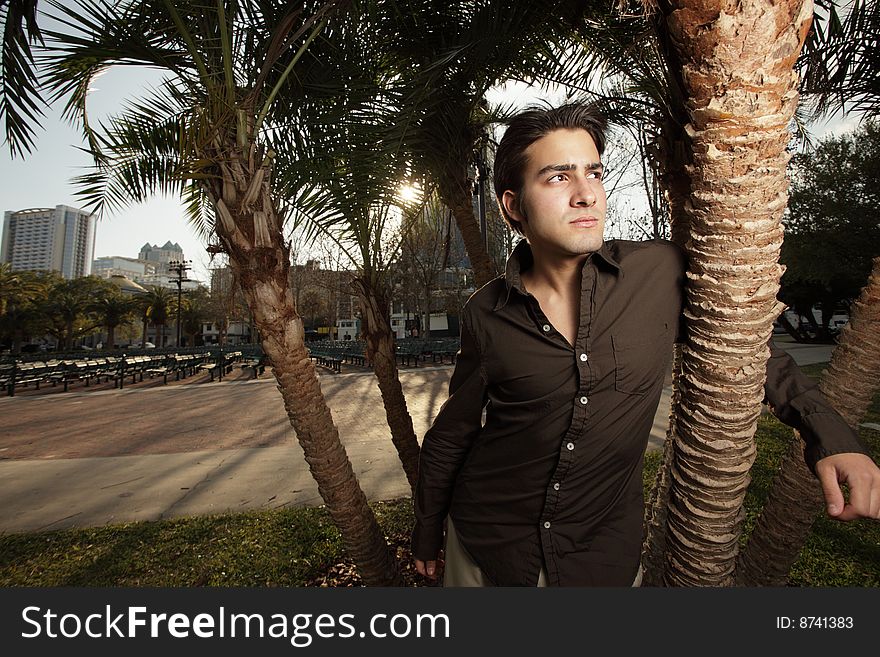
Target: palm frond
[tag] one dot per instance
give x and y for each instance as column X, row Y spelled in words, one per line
column 840, row 62
column 21, row 106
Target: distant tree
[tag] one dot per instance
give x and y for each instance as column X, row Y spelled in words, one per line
column 424, row 255
column 68, row 308
column 196, row 308
column 832, row 227
column 112, row 310
column 159, row 303
column 21, row 293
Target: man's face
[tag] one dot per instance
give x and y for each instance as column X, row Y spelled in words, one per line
column 562, row 208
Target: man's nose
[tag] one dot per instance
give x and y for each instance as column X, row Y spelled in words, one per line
column 583, row 194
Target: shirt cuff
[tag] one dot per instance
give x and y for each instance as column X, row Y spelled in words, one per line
column 426, row 542
column 836, row 438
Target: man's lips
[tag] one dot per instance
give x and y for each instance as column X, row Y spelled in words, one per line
column 585, row 222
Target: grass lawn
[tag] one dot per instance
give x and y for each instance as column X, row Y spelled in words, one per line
column 301, row 547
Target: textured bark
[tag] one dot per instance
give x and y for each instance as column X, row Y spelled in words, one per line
column 796, row 498
column 676, row 184
column 656, row 511
column 249, row 229
column 456, row 196
column 741, row 97
column 381, row 353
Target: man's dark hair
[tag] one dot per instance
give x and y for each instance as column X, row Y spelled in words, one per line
column 529, row 126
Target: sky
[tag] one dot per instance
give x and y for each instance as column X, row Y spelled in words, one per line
column 43, row 178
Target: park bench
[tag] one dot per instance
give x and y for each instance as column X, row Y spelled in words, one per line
column 327, row 355
column 23, row 374
column 161, row 366
column 221, row 365
column 355, row 353
column 133, row 366
column 446, row 348
column 105, row 368
column 75, row 370
column 409, row 351
column 256, row 364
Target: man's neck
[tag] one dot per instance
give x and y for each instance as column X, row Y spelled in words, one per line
column 554, row 275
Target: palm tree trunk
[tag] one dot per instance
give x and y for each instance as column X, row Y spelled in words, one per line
column 250, row 230
column 675, row 184
column 456, row 196
column 796, row 497
column 381, row 353
column 654, row 547
column 740, row 100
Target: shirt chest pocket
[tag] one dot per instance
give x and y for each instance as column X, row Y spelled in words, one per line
column 640, row 360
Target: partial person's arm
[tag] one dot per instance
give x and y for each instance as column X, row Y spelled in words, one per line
column 444, row 450
column 833, row 451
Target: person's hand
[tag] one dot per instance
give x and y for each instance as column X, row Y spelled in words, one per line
column 430, row 569
column 862, row 476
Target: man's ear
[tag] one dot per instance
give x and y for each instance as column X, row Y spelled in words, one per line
column 511, row 205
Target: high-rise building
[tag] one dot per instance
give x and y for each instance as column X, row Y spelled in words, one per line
column 107, row 266
column 58, row 239
column 161, row 255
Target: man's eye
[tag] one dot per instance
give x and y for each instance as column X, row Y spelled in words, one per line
column 558, row 177
column 595, row 175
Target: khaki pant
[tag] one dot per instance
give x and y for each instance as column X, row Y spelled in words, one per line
column 460, row 569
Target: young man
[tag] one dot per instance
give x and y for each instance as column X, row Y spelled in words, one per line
column 566, row 354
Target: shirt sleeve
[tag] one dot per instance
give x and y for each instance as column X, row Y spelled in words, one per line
column 446, row 446
column 796, row 400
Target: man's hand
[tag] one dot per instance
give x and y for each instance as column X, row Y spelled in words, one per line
column 430, row 569
column 862, row 476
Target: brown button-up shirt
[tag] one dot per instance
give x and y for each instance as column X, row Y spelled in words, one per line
column 553, row 475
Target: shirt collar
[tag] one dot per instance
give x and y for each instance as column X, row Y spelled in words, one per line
column 521, row 259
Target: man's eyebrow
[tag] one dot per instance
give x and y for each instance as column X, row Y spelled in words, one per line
column 592, row 166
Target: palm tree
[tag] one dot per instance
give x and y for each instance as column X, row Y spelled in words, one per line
column 21, row 295
column 196, row 308
column 208, row 131
column 159, row 304
column 840, row 68
column 68, row 308
column 447, row 56
column 112, row 310
column 740, row 100
column 796, row 497
column 354, row 202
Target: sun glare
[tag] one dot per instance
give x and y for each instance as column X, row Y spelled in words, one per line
column 409, row 193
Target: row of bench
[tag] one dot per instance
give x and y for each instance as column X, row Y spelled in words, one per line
column 17, row 374
column 333, row 354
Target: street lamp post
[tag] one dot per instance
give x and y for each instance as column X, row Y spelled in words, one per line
column 179, row 267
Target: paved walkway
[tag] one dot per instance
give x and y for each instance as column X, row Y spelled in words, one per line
column 82, row 459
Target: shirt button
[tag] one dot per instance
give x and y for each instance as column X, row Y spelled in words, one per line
column 584, row 401
column 546, row 328
column 570, row 446
column 584, row 357
column 546, row 525
column 556, row 486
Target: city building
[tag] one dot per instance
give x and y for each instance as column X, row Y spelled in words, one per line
column 107, row 266
column 58, row 239
column 166, row 280
column 161, row 255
